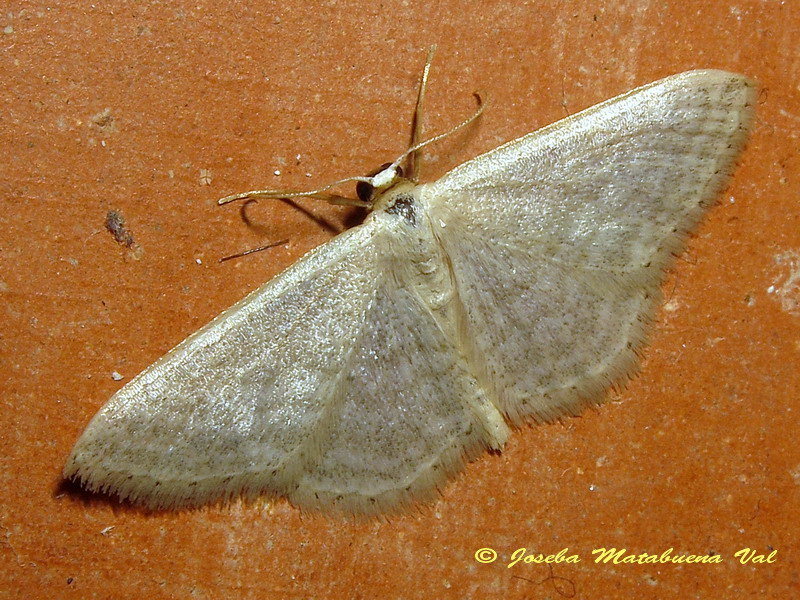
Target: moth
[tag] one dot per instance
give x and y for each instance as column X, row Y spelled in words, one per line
column 517, row 287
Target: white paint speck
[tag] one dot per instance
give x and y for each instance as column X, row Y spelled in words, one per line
column 787, row 286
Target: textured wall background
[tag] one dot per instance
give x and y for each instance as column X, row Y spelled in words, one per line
column 157, row 110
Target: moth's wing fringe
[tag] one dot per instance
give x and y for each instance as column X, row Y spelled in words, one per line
column 157, row 495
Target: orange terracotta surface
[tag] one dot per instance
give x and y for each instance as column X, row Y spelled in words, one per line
column 157, row 110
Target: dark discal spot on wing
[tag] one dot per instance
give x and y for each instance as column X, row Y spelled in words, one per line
column 405, row 207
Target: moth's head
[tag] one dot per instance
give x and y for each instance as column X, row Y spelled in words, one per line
column 380, row 180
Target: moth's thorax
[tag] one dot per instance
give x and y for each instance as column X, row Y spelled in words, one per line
column 400, row 210
column 399, row 192
column 409, row 246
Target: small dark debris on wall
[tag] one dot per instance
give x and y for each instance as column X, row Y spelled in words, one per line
column 115, row 223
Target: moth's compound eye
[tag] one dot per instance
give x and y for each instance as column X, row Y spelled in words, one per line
column 364, row 191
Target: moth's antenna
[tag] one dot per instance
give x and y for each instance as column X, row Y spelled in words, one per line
column 415, row 158
column 482, row 104
column 318, row 194
column 387, row 176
